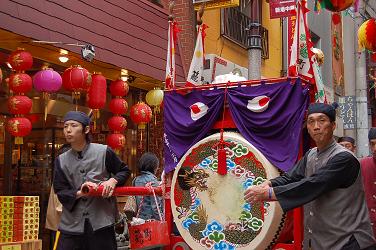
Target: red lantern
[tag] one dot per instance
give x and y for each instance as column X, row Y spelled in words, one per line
column 116, row 141
column 20, row 60
column 141, row 114
column 119, row 88
column 118, row 106
column 19, row 127
column 96, row 97
column 19, row 105
column 117, row 124
column 20, row 83
column 76, row 79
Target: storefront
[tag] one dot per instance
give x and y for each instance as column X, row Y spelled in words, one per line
column 131, row 37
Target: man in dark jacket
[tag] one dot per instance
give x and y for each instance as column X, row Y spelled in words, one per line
column 327, row 181
column 87, row 222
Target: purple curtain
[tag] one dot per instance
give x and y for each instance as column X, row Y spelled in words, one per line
column 181, row 131
column 274, row 131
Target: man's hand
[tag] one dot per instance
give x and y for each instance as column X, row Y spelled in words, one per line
column 257, row 193
column 108, row 187
column 84, row 191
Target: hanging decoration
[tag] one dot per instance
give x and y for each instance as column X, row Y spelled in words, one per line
column 47, row 81
column 77, row 80
column 19, row 104
column 119, row 107
column 367, row 35
column 96, row 96
column 116, row 142
column 333, row 5
column 141, row 114
column 20, row 60
column 155, row 98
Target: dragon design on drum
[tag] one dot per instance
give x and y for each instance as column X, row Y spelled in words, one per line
column 195, row 178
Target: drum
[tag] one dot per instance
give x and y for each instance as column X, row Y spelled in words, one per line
column 209, row 209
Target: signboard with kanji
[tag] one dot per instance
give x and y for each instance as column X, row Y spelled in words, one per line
column 282, row 8
column 347, row 109
column 214, row 4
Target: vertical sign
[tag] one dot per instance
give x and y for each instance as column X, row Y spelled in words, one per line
column 282, row 8
column 347, row 108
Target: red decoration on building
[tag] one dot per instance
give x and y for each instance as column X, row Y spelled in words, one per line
column 336, row 18
column 19, row 105
column 77, row 80
column 118, row 106
column 117, row 124
column 119, row 88
column 20, row 60
column 20, row 83
column 141, row 114
column 96, row 97
column 116, row 142
column 19, row 127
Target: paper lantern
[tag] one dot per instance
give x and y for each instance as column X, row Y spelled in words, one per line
column 367, row 35
column 118, row 106
column 116, row 142
column 119, row 88
column 335, row 5
column 117, row 124
column 20, row 60
column 20, row 83
column 141, row 114
column 19, row 127
column 47, row 81
column 154, row 98
column 19, row 105
column 77, row 80
column 96, row 97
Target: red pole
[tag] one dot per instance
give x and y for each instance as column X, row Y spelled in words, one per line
column 123, row 191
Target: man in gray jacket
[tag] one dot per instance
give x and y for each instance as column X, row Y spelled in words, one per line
column 328, row 182
column 86, row 222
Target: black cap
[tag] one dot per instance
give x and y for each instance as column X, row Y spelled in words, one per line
column 77, row 116
column 372, row 134
column 326, row 109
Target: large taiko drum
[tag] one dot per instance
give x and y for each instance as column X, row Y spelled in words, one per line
column 209, row 209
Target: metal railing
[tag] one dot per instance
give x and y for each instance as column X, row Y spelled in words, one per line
column 236, row 26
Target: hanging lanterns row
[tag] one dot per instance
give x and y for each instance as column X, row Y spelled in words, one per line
column 141, row 114
column 19, row 104
column 77, row 80
column 119, row 107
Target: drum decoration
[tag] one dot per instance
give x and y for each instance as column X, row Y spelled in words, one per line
column 367, row 35
column 19, row 105
column 118, row 107
column 334, row 5
column 209, row 209
column 47, row 81
column 96, row 96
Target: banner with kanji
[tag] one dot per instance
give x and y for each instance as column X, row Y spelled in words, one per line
column 197, row 64
column 303, row 61
column 170, row 64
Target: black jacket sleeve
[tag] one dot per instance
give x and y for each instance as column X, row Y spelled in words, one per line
column 293, row 175
column 63, row 189
column 340, row 171
column 117, row 167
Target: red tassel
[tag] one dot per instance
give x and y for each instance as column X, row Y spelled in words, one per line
column 222, row 165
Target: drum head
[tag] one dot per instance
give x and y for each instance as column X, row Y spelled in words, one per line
column 209, row 209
